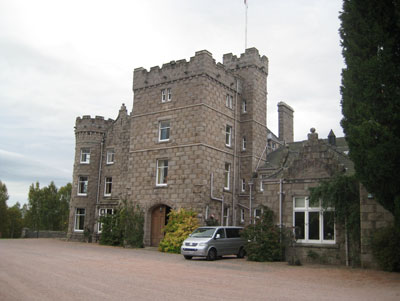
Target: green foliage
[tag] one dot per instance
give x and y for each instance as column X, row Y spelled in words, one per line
column 125, row 227
column 48, row 207
column 385, row 244
column 370, row 33
column 3, row 209
column 341, row 192
column 263, row 239
column 15, row 222
column 181, row 223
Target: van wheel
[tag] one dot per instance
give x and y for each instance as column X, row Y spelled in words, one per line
column 212, row 255
column 188, row 257
column 241, row 253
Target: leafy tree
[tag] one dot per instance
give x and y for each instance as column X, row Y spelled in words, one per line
column 15, row 222
column 370, row 33
column 3, row 209
column 48, row 207
column 180, row 224
column 342, row 193
column 263, row 239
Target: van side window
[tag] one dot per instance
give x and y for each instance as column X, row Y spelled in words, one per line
column 221, row 232
column 232, row 232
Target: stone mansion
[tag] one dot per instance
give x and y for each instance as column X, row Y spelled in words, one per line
column 197, row 138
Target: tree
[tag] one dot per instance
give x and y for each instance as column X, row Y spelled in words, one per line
column 370, row 33
column 15, row 222
column 341, row 192
column 3, row 209
column 64, row 197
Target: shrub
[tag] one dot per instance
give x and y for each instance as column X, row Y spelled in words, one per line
column 385, row 244
column 124, row 227
column 180, row 224
column 263, row 239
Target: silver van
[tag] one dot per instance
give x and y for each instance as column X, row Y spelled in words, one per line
column 212, row 242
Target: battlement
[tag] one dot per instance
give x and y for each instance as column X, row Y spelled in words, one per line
column 251, row 57
column 201, row 63
column 97, row 124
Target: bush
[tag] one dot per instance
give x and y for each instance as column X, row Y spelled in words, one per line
column 385, row 244
column 263, row 239
column 124, row 227
column 180, row 224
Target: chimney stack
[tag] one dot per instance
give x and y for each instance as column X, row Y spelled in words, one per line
column 285, row 113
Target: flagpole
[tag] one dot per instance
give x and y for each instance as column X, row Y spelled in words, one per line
column 245, row 32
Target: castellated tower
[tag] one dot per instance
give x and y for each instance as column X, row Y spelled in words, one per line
column 97, row 175
column 194, row 139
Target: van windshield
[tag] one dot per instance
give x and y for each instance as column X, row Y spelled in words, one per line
column 203, row 232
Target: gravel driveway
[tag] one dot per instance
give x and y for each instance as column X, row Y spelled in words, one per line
column 49, row 269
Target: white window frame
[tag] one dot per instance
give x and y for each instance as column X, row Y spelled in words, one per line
column 244, row 106
column 163, row 96
column 227, row 176
column 229, row 101
column 169, row 94
column 110, row 156
column 103, row 212
column 107, row 186
column 228, row 135
column 162, row 173
column 307, row 210
column 81, row 180
column 261, row 186
column 78, row 216
column 255, row 215
column 244, row 143
column 85, row 156
column 225, row 218
column 207, row 212
column 162, row 126
column 242, row 215
column 243, row 186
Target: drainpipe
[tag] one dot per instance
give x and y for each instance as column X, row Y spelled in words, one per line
column 250, row 201
column 217, row 199
column 280, row 207
column 235, row 156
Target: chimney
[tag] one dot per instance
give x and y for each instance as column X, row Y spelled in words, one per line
column 285, row 113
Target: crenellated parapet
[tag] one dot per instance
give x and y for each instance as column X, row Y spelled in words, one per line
column 251, row 58
column 200, row 64
column 91, row 128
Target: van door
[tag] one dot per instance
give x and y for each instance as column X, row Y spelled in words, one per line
column 221, row 243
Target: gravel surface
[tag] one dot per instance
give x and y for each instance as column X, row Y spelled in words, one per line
column 49, row 269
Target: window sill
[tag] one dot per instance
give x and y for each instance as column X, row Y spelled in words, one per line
column 85, row 163
column 163, row 141
column 110, row 163
column 317, row 245
column 82, row 194
column 78, row 231
column 161, row 186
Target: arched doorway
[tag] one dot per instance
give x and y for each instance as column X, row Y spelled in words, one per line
column 159, row 218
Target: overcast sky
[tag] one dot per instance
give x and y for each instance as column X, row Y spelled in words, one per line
column 62, row 59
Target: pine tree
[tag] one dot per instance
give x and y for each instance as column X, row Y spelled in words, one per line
column 370, row 33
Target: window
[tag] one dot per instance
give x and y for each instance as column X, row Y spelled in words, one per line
column 227, row 176
column 228, row 135
column 162, row 172
column 244, row 106
column 79, row 219
column 229, row 101
column 243, row 189
column 221, row 233
column 257, row 214
column 166, row 95
column 169, row 95
column 83, row 185
column 232, row 232
column 103, row 212
column 312, row 223
column 110, row 156
column 261, row 186
column 85, row 155
column 108, row 186
column 244, row 142
column 241, row 215
column 225, row 220
column 163, row 130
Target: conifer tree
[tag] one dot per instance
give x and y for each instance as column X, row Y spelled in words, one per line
column 370, row 33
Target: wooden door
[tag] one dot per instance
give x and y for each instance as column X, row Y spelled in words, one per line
column 157, row 223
